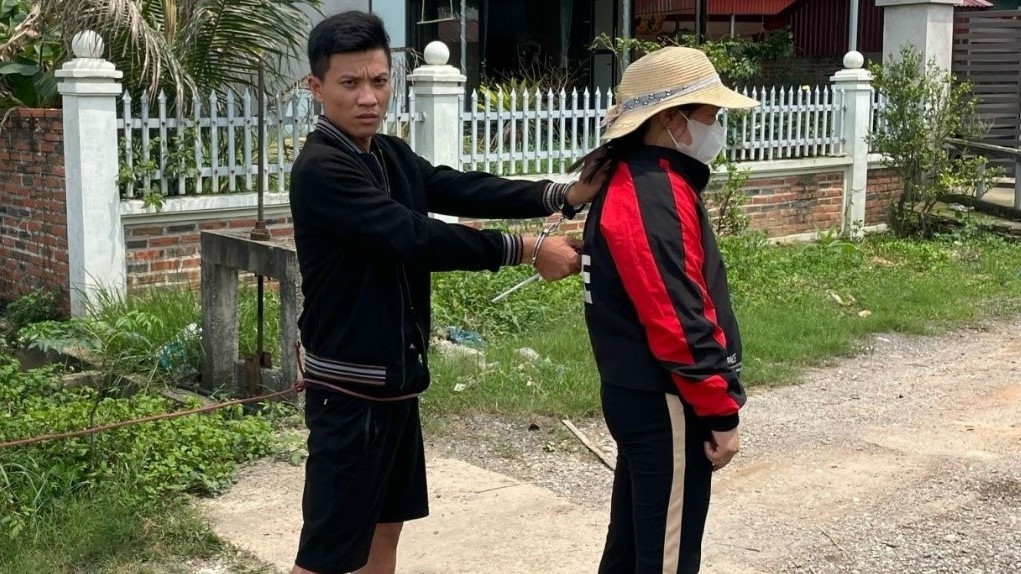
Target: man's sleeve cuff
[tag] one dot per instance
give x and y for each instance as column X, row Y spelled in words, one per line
column 554, row 196
column 513, row 246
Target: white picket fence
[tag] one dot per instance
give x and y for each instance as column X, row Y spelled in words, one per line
column 210, row 145
column 790, row 122
column 213, row 147
column 531, row 132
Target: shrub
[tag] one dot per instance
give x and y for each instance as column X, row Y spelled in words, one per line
column 147, row 463
column 925, row 107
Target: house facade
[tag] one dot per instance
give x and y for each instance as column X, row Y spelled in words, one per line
column 490, row 39
column 493, row 39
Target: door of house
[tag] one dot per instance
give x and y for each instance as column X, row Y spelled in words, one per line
column 987, row 53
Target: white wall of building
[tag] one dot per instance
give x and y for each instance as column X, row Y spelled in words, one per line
column 393, row 13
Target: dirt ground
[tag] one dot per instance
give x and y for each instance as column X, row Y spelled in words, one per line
column 906, row 459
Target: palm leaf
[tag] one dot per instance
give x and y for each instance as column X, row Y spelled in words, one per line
column 224, row 39
column 190, row 47
column 135, row 43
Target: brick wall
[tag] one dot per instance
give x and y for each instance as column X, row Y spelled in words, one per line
column 169, row 254
column 779, row 206
column 794, row 204
column 883, row 187
column 33, row 213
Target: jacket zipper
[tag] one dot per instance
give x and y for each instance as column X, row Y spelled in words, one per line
column 418, row 326
column 405, row 291
column 403, row 352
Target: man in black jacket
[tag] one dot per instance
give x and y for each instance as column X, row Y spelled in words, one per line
column 366, row 247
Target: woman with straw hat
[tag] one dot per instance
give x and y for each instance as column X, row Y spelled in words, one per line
column 658, row 310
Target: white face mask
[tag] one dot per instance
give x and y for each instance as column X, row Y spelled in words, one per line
column 707, row 141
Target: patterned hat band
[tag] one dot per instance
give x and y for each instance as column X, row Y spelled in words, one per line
column 645, row 100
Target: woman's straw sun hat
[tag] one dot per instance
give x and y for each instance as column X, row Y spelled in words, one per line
column 667, row 78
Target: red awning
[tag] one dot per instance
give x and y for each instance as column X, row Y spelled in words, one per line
column 747, row 7
column 714, row 7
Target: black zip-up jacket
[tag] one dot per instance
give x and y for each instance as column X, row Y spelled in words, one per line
column 366, row 247
column 657, row 304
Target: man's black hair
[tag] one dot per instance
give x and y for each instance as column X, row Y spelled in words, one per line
column 352, row 31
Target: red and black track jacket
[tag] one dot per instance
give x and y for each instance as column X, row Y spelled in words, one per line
column 657, row 304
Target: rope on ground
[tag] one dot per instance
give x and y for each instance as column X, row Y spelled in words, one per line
column 295, row 388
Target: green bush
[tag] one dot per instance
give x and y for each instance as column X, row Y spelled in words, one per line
column 27, row 65
column 155, row 334
column 925, row 108
column 738, row 60
column 36, row 306
column 149, row 463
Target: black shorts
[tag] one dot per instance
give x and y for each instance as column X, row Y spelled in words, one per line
column 366, row 465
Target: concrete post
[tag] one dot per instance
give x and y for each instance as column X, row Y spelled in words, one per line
column 219, row 322
column 438, row 88
column 95, row 238
column 928, row 25
column 854, row 89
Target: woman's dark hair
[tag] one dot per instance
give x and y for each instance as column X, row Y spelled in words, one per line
column 346, row 32
column 607, row 155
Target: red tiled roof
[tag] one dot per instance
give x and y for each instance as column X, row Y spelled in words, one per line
column 714, row 7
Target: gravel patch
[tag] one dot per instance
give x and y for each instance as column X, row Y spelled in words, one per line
column 976, row 534
column 904, row 459
column 540, row 451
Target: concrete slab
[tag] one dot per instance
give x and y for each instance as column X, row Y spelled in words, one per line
column 480, row 523
column 1001, row 196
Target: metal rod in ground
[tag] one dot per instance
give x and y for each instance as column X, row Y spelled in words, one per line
column 592, row 447
column 259, row 232
column 521, row 284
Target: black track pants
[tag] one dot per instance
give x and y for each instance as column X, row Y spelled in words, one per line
column 661, row 484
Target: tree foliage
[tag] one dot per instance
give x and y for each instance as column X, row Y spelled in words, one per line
column 925, row 107
column 738, row 60
column 184, row 47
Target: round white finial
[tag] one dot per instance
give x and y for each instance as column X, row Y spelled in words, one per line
column 853, row 60
column 436, row 53
column 87, row 44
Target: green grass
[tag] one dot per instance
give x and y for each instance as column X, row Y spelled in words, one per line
column 799, row 306
column 506, row 383
column 175, row 308
column 102, row 534
column 155, row 332
column 115, row 501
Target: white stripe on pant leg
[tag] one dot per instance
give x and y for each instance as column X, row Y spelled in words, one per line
column 675, row 508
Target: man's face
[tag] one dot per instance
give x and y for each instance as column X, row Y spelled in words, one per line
column 355, row 92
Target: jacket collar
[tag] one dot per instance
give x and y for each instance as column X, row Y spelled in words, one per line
column 338, row 137
column 372, row 160
column 695, row 172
